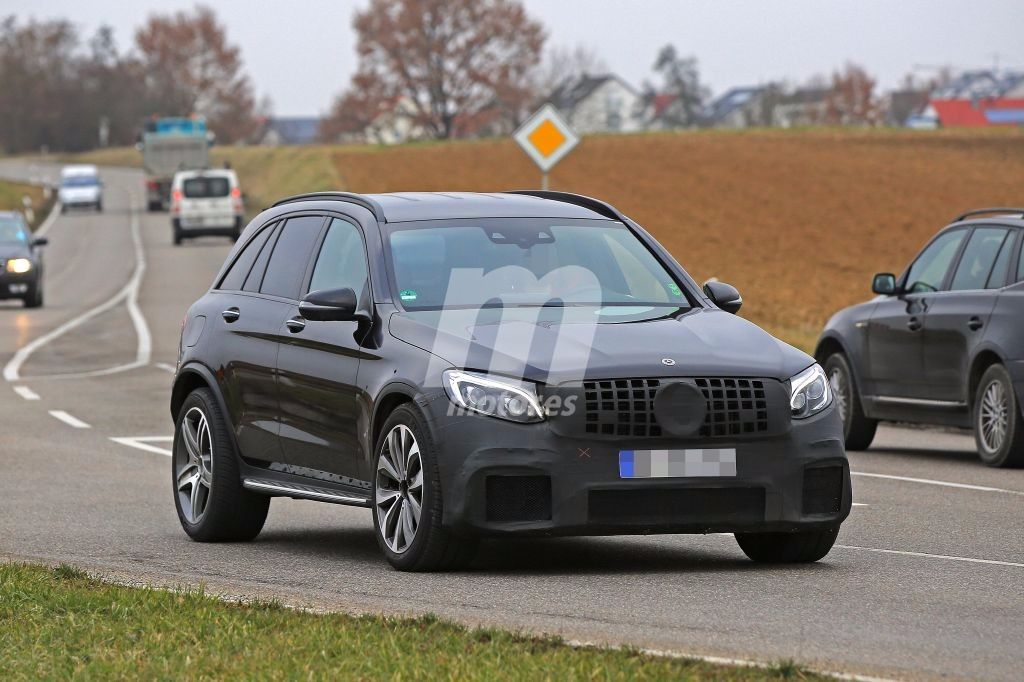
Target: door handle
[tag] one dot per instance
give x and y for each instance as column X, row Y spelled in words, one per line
column 913, row 324
column 295, row 325
column 230, row 315
column 975, row 323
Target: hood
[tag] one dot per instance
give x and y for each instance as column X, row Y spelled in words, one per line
column 564, row 344
column 8, row 251
column 79, row 193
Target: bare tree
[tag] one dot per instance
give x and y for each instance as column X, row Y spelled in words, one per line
column 449, row 59
column 562, row 63
column 191, row 68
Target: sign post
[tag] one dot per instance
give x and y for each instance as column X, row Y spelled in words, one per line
column 546, row 138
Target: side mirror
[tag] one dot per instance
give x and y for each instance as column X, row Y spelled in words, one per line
column 884, row 283
column 327, row 305
column 40, row 241
column 725, row 296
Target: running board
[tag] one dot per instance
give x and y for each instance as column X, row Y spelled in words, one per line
column 303, row 492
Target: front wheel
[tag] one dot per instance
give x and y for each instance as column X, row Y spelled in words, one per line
column 212, row 505
column 802, row 547
column 998, row 426
column 858, row 430
column 407, row 501
column 34, row 299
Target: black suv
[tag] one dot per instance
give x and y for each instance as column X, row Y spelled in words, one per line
column 487, row 364
column 941, row 344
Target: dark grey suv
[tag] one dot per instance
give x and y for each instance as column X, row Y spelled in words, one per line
column 943, row 343
column 494, row 364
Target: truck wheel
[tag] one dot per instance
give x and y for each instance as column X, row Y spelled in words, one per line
column 802, row 547
column 998, row 425
column 858, row 430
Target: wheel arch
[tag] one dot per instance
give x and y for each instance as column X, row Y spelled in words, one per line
column 189, row 378
column 984, row 359
column 832, row 343
column 391, row 397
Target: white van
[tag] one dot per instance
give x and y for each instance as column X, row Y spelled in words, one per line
column 80, row 186
column 206, row 202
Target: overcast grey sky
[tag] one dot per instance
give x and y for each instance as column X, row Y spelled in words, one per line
column 301, row 53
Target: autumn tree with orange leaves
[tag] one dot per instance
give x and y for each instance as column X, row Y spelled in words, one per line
column 851, row 99
column 191, row 68
column 451, row 62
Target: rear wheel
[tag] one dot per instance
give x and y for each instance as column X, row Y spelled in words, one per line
column 177, row 233
column 998, row 425
column 788, row 548
column 407, row 501
column 99, row 207
column 858, row 430
column 212, row 505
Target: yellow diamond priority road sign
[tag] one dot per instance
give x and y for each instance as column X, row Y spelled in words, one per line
column 546, row 137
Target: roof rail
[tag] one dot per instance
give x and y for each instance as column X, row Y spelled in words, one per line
column 595, row 205
column 349, row 197
column 985, row 211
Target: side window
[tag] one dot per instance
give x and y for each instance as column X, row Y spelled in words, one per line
column 929, row 270
column 342, row 259
column 291, row 255
column 1020, row 263
column 239, row 270
column 255, row 278
column 999, row 271
column 979, row 257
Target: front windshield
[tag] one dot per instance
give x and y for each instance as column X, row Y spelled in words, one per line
column 526, row 262
column 80, row 181
column 13, row 231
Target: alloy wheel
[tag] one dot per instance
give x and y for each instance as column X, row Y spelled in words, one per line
column 993, row 417
column 840, row 391
column 193, row 471
column 398, row 490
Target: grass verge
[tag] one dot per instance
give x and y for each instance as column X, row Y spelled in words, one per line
column 12, row 196
column 57, row 623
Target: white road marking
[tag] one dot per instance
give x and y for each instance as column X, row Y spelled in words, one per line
column 26, row 393
column 926, row 555
column 170, row 369
column 68, row 419
column 946, row 484
column 129, row 293
column 143, row 443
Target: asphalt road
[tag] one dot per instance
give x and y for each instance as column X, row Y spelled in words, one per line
column 927, row 578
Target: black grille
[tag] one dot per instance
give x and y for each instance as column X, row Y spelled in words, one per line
column 735, row 407
column 677, row 506
column 518, row 498
column 625, row 407
column 823, row 490
column 621, row 407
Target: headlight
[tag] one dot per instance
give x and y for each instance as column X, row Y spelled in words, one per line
column 809, row 392
column 19, row 266
column 502, row 398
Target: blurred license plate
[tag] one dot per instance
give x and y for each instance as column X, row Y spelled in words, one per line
column 687, row 463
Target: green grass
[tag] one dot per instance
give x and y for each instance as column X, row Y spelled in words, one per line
column 59, row 623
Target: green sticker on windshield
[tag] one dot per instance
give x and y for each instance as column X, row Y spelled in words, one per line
column 407, row 294
column 674, row 288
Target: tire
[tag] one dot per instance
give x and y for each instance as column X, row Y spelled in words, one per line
column 155, row 206
column 802, row 547
column 858, row 430
column 1002, row 443
column 224, row 511
column 432, row 547
column 34, row 298
column 99, row 207
column 177, row 234
column 63, row 208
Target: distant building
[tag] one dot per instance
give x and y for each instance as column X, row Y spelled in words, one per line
column 804, row 107
column 981, row 98
column 397, row 125
column 598, row 104
column 907, row 108
column 290, row 130
column 740, row 108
